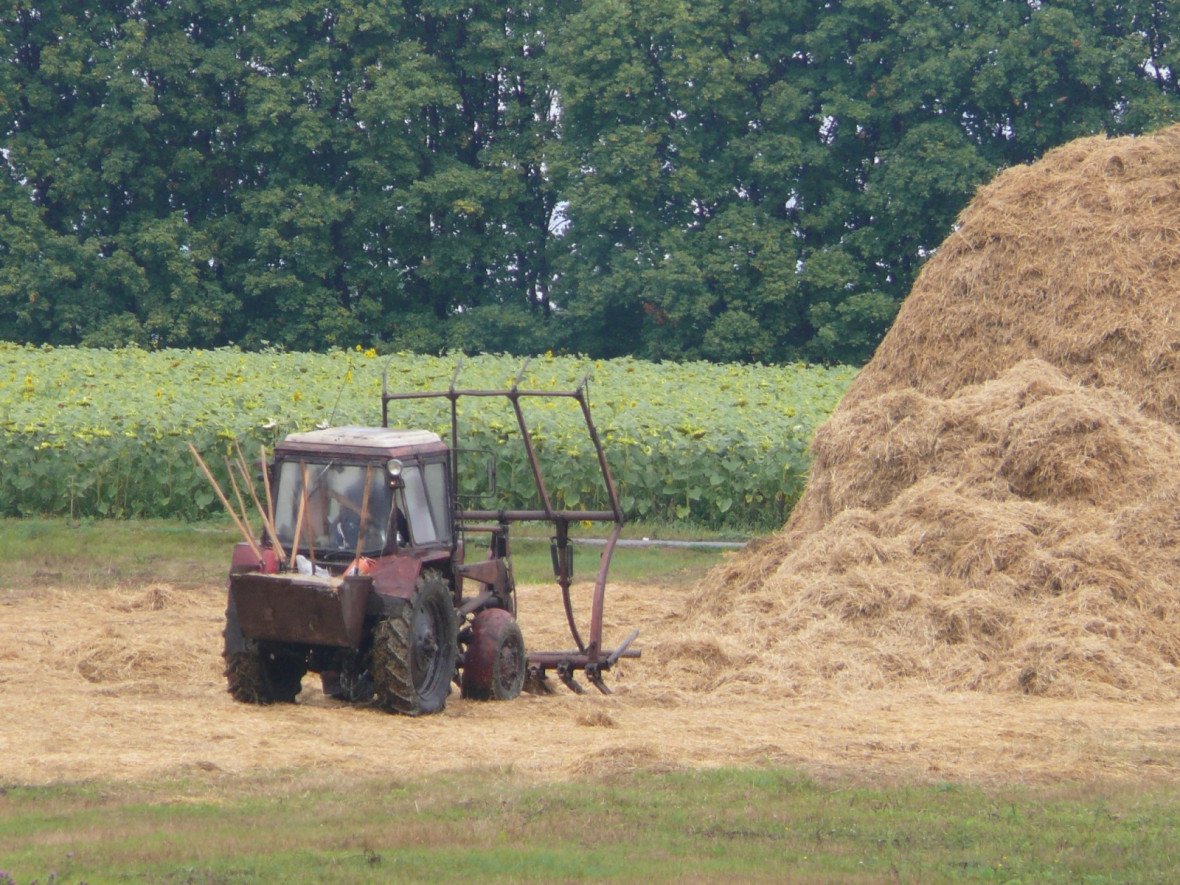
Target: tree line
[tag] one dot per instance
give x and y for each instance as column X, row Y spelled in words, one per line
column 752, row 181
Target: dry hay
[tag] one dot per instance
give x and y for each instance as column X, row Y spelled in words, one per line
column 993, row 506
column 622, row 760
column 124, row 638
column 596, row 719
column 1074, row 260
column 56, row 726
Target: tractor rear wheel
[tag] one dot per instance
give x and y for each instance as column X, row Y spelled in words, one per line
column 414, row 651
column 495, row 665
column 262, row 677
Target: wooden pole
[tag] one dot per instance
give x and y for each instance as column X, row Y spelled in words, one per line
column 229, row 469
column 270, row 501
column 267, row 523
column 360, row 532
column 299, row 521
column 305, row 504
column 225, row 502
column 270, row 506
column 244, row 472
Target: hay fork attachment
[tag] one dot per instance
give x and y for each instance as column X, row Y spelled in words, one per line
column 589, row 656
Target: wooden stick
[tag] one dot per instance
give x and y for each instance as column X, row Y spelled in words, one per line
column 270, row 501
column 244, row 470
column 269, row 513
column 310, row 532
column 360, row 532
column 267, row 522
column 299, row 522
column 225, row 502
column 229, row 469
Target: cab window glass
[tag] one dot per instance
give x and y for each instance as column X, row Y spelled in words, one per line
column 418, row 506
column 336, row 509
column 436, row 494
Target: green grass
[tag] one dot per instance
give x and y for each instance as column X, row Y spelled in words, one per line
column 494, row 826
column 664, row 565
column 106, row 552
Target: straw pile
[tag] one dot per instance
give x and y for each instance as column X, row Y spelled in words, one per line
column 143, row 648
column 994, row 505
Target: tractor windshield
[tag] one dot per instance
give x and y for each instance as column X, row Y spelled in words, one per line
column 339, row 503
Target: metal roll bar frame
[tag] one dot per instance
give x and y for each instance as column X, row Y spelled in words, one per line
column 590, row 657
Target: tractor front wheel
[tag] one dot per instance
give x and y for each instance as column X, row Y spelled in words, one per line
column 495, row 665
column 414, row 651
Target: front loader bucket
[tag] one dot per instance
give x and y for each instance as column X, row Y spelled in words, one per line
column 301, row 608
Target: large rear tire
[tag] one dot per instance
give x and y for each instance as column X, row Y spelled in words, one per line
column 414, row 651
column 495, row 666
column 262, row 677
column 255, row 675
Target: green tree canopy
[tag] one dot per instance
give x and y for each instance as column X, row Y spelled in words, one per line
column 706, row 180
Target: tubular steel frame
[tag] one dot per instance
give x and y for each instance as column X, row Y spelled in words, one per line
column 589, row 656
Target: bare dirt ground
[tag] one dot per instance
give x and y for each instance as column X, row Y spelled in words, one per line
column 126, row 684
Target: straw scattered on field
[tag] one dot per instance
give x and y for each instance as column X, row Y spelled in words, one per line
column 150, row 702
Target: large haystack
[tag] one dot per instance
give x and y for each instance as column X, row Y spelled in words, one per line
column 1074, row 260
column 994, row 505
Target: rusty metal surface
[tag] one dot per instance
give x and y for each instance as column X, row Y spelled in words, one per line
column 244, row 559
column 304, row 610
column 591, row 663
column 480, row 661
column 299, row 608
column 600, row 593
column 493, row 572
column 396, row 575
column 514, row 395
column 539, row 515
column 555, row 660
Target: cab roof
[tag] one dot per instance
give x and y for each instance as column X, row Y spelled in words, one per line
column 362, row 441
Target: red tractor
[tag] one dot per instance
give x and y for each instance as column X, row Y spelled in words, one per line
column 361, row 574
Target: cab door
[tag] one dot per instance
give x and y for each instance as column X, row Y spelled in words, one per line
column 425, row 494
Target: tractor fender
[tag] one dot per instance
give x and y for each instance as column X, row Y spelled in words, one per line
column 244, row 560
column 395, row 578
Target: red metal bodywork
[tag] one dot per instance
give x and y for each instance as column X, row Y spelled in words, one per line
column 301, row 609
column 283, row 606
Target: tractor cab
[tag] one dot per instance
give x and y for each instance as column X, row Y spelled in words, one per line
column 347, row 492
